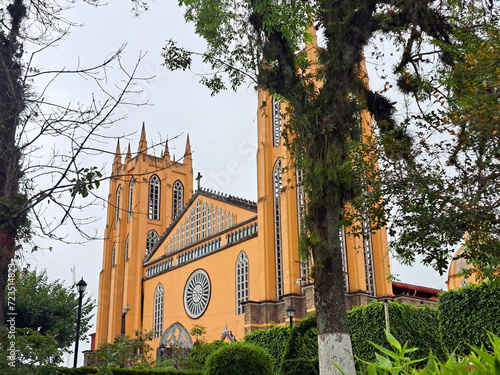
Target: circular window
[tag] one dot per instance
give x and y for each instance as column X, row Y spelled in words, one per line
column 197, row 294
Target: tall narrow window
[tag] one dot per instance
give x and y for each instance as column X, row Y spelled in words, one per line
column 278, row 246
column 187, row 229
column 198, row 204
column 209, row 220
column 113, row 255
column 276, row 122
column 368, row 257
column 158, row 312
column 151, row 239
column 126, row 249
column 204, row 220
column 192, row 225
column 301, row 206
column 117, row 207
column 344, row 259
column 177, row 198
column 214, row 220
column 154, row 198
column 242, row 286
column 223, row 219
column 130, row 201
column 218, row 220
column 182, row 235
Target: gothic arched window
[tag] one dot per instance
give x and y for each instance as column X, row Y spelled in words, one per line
column 117, row 207
column 130, row 196
column 204, row 220
column 151, row 239
column 276, row 122
column 242, row 285
column 209, row 220
column 158, row 312
column 127, row 249
column 192, row 225
column 113, row 255
column 154, row 198
column 198, row 204
column 278, row 246
column 177, row 198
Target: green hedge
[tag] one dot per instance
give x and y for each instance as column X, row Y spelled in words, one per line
column 273, row 340
column 467, row 314
column 123, row 371
column 417, row 326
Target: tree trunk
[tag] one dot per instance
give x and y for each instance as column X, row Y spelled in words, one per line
column 12, row 103
column 334, row 342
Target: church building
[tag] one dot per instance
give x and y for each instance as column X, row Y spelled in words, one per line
column 176, row 256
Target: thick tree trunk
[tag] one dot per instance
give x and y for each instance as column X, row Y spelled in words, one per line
column 12, row 103
column 334, row 342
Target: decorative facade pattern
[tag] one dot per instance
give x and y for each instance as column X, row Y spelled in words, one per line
column 197, row 294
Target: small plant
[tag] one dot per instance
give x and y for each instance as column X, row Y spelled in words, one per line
column 479, row 362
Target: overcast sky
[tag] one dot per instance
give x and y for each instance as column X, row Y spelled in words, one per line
column 222, row 129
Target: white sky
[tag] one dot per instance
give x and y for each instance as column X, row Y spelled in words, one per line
column 222, row 129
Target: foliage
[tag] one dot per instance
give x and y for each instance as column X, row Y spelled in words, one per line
column 26, row 349
column 199, row 354
column 122, row 371
column 448, row 185
column 466, row 316
column 478, row 362
column 239, row 359
column 301, row 354
column 198, row 331
column 417, row 326
column 272, row 340
column 49, row 308
column 124, row 352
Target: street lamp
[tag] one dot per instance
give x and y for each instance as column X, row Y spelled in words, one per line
column 290, row 311
column 126, row 309
column 80, row 287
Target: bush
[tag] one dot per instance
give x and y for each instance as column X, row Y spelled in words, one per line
column 273, row 340
column 239, row 359
column 199, row 354
column 467, row 314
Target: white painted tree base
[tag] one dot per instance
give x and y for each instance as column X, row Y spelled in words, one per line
column 335, row 347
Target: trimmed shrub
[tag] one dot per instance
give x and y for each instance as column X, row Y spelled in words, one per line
column 273, row 340
column 467, row 315
column 199, row 354
column 239, row 359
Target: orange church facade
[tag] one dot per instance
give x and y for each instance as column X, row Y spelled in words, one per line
column 179, row 257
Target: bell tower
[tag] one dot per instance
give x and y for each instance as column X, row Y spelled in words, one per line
column 146, row 192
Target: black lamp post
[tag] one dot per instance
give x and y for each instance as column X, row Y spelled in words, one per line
column 80, row 287
column 290, row 311
column 126, row 309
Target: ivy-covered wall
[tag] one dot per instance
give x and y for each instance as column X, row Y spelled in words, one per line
column 467, row 314
column 273, row 340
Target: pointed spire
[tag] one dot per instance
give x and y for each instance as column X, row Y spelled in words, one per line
column 187, row 153
column 117, row 162
column 167, row 152
column 143, row 145
column 129, row 154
